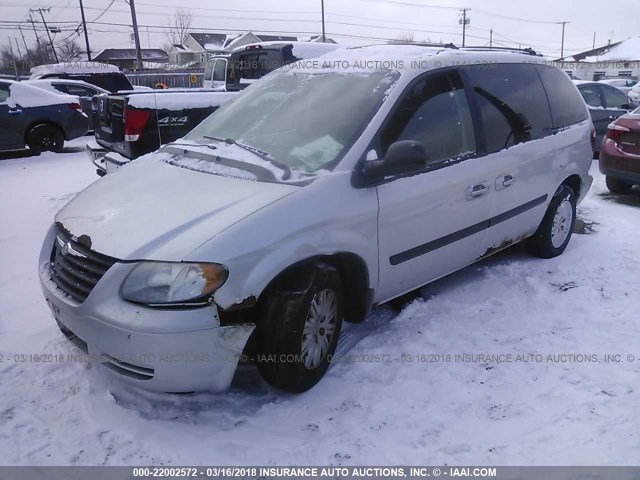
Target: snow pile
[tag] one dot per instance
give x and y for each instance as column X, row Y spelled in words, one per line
column 627, row 50
column 180, row 100
column 25, row 95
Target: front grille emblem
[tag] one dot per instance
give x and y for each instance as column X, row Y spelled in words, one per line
column 66, row 248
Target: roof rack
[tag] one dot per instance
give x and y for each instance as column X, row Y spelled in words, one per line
column 527, row 51
column 423, row 44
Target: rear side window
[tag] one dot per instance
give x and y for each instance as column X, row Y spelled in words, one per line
column 79, row 91
column 613, row 98
column 253, row 64
column 512, row 104
column 591, row 95
column 567, row 108
column 60, row 87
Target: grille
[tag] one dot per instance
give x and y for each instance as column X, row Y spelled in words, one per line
column 75, row 269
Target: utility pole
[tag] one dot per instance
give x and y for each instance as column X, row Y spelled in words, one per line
column 464, row 21
column 491, row 39
column 324, row 36
column 41, row 12
column 86, row 34
column 15, row 39
column 33, row 24
column 13, row 57
column 25, row 43
column 564, row 24
column 136, row 35
column 594, row 40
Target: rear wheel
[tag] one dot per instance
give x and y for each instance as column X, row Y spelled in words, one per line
column 618, row 186
column 45, row 137
column 299, row 327
column 554, row 233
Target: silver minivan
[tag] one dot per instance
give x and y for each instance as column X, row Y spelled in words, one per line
column 319, row 192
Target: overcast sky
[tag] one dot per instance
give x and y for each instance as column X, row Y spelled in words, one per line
column 529, row 23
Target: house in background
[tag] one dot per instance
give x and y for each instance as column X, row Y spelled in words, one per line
column 197, row 48
column 126, row 59
column 621, row 59
column 182, row 55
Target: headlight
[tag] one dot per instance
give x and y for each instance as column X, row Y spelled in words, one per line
column 166, row 284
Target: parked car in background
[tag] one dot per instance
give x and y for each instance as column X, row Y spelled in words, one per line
column 620, row 153
column 103, row 75
column 83, row 90
column 311, row 197
column 606, row 103
column 623, row 84
column 37, row 118
column 634, row 94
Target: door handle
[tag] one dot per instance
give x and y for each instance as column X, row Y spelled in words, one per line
column 478, row 190
column 15, row 112
column 504, row 182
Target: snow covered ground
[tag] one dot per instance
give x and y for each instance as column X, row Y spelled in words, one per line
column 545, row 411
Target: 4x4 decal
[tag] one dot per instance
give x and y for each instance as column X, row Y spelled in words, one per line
column 173, row 121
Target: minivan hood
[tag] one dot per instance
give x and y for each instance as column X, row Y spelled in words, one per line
column 156, row 211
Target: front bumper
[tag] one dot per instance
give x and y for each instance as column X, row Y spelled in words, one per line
column 96, row 154
column 105, row 160
column 160, row 350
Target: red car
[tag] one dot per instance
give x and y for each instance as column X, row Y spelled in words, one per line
column 620, row 153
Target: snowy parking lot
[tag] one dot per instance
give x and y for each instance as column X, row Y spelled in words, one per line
column 513, row 361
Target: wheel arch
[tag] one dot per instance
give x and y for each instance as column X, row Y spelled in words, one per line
column 574, row 182
column 352, row 269
column 48, row 122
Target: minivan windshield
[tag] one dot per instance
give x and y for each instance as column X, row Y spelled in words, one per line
column 304, row 121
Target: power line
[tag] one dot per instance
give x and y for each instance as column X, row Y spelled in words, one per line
column 517, row 19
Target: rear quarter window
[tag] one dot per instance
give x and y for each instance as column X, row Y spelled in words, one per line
column 567, row 106
column 512, row 104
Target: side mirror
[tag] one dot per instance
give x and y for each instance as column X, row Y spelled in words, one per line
column 626, row 106
column 406, row 156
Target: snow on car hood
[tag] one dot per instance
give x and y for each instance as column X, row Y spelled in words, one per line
column 156, row 211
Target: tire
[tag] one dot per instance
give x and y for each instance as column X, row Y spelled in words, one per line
column 554, row 233
column 294, row 316
column 45, row 137
column 618, row 186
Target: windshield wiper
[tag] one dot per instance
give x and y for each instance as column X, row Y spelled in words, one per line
column 258, row 153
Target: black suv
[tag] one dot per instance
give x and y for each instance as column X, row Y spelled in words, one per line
column 102, row 75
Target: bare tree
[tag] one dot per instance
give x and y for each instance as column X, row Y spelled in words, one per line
column 405, row 38
column 69, row 51
column 178, row 29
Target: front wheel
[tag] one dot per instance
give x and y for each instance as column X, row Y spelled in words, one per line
column 554, row 233
column 299, row 327
column 45, row 138
column 618, row 186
